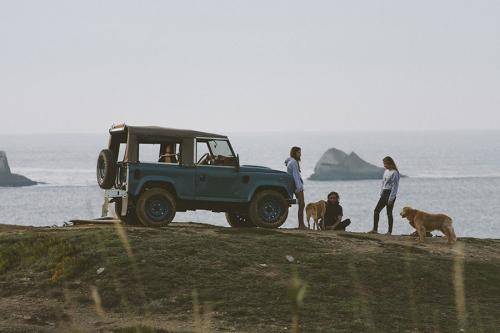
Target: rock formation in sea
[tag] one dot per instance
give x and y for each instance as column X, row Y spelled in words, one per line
column 337, row 165
column 11, row 179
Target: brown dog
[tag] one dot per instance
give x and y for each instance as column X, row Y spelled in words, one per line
column 316, row 210
column 424, row 222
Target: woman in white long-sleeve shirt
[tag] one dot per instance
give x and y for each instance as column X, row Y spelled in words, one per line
column 388, row 193
column 293, row 168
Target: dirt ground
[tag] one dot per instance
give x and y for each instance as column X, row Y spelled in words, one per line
column 83, row 300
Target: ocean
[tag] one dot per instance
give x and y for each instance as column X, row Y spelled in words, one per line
column 454, row 172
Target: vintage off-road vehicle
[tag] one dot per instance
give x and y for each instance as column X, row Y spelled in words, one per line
column 150, row 173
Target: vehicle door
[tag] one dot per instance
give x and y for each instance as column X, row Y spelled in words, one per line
column 217, row 175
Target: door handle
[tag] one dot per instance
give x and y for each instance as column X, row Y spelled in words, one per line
column 203, row 178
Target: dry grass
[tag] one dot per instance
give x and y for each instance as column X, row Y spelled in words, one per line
column 192, row 278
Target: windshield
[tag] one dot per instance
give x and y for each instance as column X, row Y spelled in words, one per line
column 220, row 147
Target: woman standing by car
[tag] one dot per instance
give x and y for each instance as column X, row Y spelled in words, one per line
column 293, row 168
column 388, row 193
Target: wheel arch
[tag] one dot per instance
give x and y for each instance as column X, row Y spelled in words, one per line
column 167, row 185
column 282, row 190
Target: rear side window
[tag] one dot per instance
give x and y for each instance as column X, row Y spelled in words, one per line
column 149, row 153
column 121, row 152
column 159, row 153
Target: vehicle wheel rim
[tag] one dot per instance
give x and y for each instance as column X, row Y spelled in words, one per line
column 270, row 210
column 157, row 208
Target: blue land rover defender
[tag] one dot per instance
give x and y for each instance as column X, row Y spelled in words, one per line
column 150, row 173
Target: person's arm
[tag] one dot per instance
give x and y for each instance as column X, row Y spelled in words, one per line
column 395, row 185
column 382, row 185
column 339, row 219
column 299, row 187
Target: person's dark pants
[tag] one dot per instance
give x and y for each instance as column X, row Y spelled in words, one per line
column 383, row 202
column 302, row 204
column 342, row 225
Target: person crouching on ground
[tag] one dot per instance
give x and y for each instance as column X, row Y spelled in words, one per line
column 293, row 168
column 388, row 193
column 334, row 213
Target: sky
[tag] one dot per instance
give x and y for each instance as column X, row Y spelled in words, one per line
column 353, row 65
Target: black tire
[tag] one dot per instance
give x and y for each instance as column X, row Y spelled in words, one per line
column 268, row 209
column 156, row 207
column 131, row 217
column 239, row 220
column 106, row 169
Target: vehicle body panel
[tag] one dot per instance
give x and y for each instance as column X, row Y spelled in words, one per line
column 181, row 178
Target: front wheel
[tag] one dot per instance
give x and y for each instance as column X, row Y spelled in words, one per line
column 268, row 209
column 156, row 207
column 239, row 220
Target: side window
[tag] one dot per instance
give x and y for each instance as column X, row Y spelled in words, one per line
column 202, row 151
column 149, row 153
column 220, row 148
column 215, row 153
column 121, row 152
column 170, row 153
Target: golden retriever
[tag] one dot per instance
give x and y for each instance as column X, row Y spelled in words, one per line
column 316, row 210
column 423, row 222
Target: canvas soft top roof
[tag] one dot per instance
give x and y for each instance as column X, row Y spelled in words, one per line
column 163, row 131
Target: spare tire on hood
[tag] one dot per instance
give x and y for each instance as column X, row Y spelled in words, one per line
column 106, row 169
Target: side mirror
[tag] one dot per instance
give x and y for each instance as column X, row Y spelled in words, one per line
column 238, row 162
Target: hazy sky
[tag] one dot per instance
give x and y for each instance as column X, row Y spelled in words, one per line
column 249, row 65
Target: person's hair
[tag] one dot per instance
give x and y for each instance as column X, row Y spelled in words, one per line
column 390, row 163
column 293, row 154
column 335, row 194
column 294, row 151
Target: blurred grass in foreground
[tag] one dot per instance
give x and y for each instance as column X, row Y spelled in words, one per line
column 214, row 279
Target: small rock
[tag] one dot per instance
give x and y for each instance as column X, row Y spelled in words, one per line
column 263, row 265
column 100, row 270
column 290, row 258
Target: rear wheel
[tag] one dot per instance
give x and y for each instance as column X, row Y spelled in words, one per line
column 156, row 207
column 131, row 217
column 239, row 220
column 268, row 209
